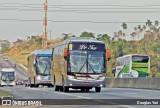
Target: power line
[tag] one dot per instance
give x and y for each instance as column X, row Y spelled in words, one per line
column 83, row 7
column 62, row 21
column 20, row 6
column 79, row 11
column 83, row 10
column 87, row 5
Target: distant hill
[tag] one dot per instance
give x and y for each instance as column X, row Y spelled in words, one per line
column 21, row 49
column 148, row 45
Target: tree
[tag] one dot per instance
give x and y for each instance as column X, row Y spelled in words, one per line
column 148, row 23
column 38, row 40
column 156, row 23
column 115, row 35
column 120, row 33
column 87, row 34
column 133, row 35
column 124, row 26
column 140, row 30
column 66, row 36
column 5, row 47
column 154, row 47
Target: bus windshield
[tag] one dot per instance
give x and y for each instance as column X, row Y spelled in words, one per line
column 141, row 59
column 95, row 62
column 43, row 65
column 86, row 60
column 8, row 76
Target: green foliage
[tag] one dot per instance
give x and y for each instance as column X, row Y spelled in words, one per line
column 5, row 47
column 154, row 47
column 121, row 47
column 87, row 34
column 157, row 75
column 39, row 40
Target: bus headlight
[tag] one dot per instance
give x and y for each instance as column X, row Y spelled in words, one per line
column 38, row 77
column 101, row 78
column 70, row 77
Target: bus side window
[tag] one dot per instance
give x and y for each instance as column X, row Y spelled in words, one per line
column 119, row 62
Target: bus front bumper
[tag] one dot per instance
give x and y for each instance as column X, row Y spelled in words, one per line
column 44, row 82
column 7, row 84
column 85, row 83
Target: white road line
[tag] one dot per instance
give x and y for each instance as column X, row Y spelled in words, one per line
column 85, row 98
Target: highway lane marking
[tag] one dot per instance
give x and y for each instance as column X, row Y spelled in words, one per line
column 80, row 97
column 84, row 98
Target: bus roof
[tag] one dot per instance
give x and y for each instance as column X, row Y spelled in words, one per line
column 132, row 55
column 43, row 52
column 7, row 69
column 80, row 39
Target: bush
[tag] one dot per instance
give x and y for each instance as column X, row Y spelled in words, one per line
column 157, row 75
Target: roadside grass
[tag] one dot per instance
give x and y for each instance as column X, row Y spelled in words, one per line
column 5, row 93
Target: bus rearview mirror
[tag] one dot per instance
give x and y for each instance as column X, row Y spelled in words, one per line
column 65, row 53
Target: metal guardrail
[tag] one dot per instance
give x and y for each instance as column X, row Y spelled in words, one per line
column 139, row 83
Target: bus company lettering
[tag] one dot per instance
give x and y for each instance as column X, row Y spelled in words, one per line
column 90, row 47
column 83, row 46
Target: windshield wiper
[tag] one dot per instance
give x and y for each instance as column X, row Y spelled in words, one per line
column 82, row 67
column 45, row 69
column 91, row 68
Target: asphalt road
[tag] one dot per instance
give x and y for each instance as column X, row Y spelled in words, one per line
column 22, row 92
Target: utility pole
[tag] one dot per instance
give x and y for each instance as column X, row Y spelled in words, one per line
column 45, row 34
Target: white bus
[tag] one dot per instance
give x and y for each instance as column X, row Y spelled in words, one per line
column 79, row 63
column 135, row 64
column 39, row 68
column 8, row 77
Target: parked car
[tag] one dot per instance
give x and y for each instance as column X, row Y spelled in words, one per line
column 19, row 82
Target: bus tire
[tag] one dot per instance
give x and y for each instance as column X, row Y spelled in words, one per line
column 32, row 85
column 98, row 89
column 36, row 85
column 66, row 89
column 87, row 89
column 56, row 88
column 61, row 88
column 82, row 89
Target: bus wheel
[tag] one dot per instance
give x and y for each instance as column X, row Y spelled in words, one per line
column 61, row 88
column 82, row 89
column 36, row 85
column 66, row 89
column 56, row 88
column 87, row 90
column 32, row 85
column 98, row 89
column 49, row 86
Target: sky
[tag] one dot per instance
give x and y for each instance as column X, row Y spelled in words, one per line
column 73, row 10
